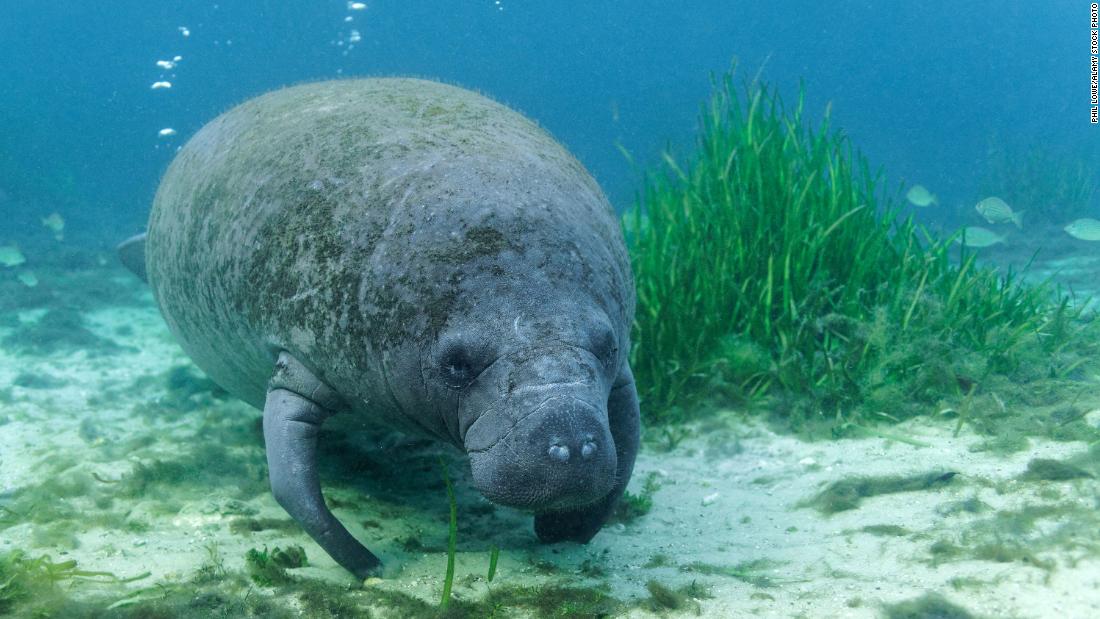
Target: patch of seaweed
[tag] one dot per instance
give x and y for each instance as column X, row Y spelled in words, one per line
column 34, row 380
column 61, row 330
column 33, row 581
column 848, row 493
column 633, row 506
column 927, row 606
column 751, row 572
column 202, row 467
column 885, row 530
column 683, row 599
column 1022, row 535
column 247, row 526
column 268, row 569
column 181, row 389
column 1047, row 469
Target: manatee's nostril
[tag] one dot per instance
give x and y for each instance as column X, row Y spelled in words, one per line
column 588, row 449
column 559, row 452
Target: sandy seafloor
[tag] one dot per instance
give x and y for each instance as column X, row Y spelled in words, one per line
column 141, row 467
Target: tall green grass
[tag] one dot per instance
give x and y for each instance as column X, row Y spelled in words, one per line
column 773, row 262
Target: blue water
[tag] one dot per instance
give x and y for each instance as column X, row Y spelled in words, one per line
column 921, row 87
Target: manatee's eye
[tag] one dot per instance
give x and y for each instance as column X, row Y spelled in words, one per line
column 460, row 363
column 605, row 346
column 456, row 369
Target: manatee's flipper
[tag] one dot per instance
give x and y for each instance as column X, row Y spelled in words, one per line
column 132, row 254
column 581, row 525
column 297, row 403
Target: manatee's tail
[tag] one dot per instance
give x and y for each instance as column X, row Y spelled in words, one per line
column 132, row 254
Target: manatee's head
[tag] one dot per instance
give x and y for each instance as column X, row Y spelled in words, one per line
column 528, row 399
column 520, row 332
column 502, row 301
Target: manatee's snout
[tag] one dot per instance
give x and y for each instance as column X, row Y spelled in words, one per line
column 570, row 431
column 558, row 455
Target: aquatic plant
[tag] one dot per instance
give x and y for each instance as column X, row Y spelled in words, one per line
column 213, row 569
column 885, row 530
column 24, row 578
column 925, row 606
column 848, row 493
column 633, row 506
column 662, row 597
column 1035, row 535
column 452, row 537
column 61, row 330
column 772, row 262
column 751, row 572
column 494, row 555
column 1048, row 469
column 268, row 569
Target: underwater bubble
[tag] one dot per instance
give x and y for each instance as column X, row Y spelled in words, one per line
column 354, row 37
column 184, row 31
column 356, row 6
column 161, row 84
column 166, row 132
column 166, row 64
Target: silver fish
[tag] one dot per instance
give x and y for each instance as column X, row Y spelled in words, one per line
column 996, row 211
column 918, row 195
column 1085, row 229
column 975, row 236
column 10, row 256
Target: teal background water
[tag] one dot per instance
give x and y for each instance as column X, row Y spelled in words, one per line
column 922, row 87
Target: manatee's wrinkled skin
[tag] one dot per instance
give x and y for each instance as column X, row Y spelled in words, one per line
column 414, row 253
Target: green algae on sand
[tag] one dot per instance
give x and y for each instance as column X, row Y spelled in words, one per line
column 848, row 493
column 927, row 606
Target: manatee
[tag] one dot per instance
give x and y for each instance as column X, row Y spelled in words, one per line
column 413, row 254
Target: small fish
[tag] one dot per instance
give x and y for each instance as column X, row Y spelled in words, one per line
column 166, row 132
column 55, row 223
column 1085, row 229
column 974, row 236
column 10, row 256
column 918, row 195
column 29, row 280
column 996, row 211
column 161, row 84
